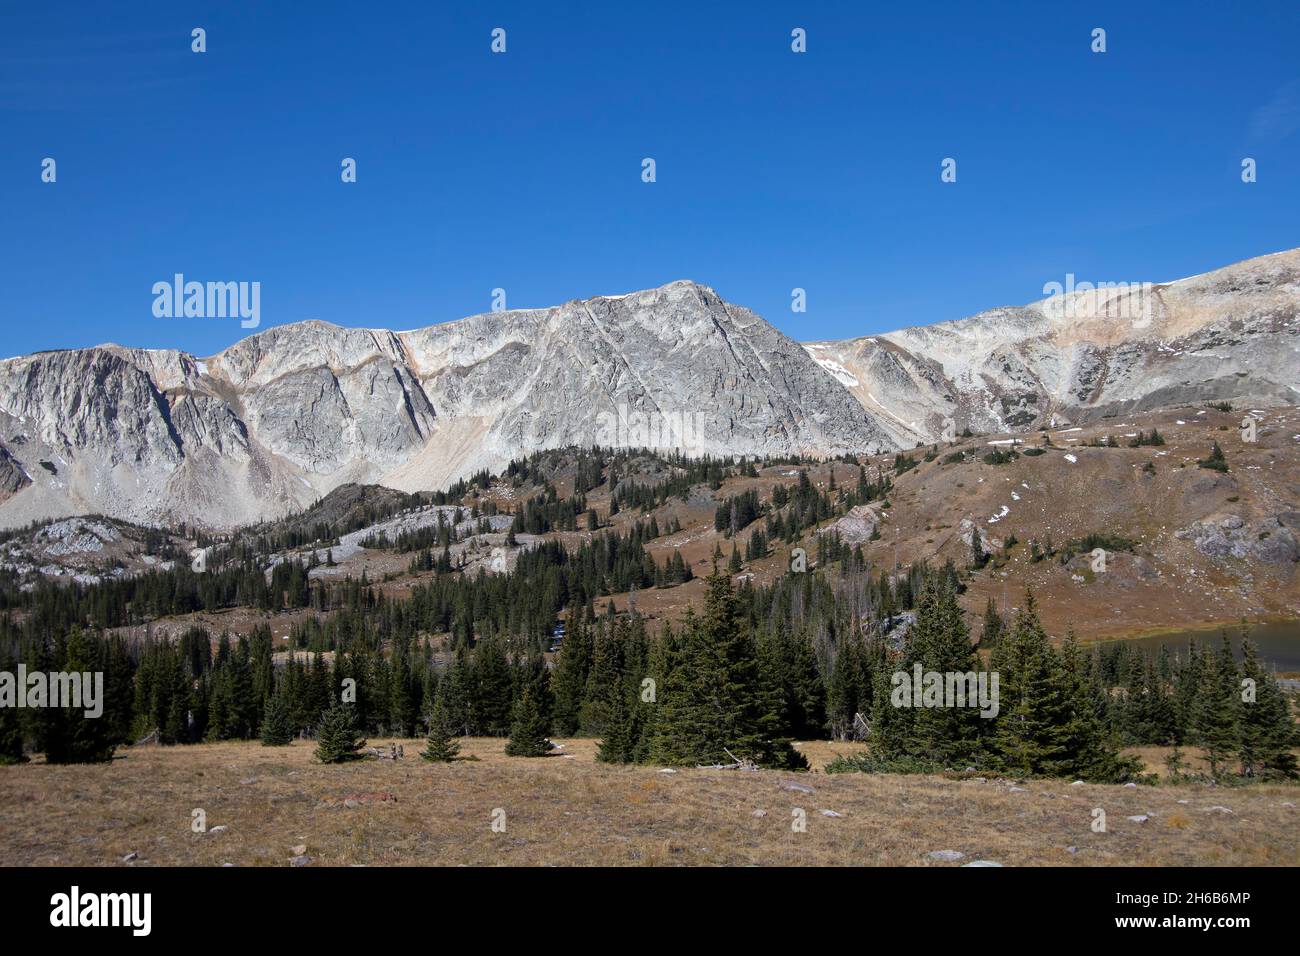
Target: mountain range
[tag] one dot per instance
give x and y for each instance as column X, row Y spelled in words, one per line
column 282, row 417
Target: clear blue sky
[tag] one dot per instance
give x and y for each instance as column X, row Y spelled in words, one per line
column 523, row 170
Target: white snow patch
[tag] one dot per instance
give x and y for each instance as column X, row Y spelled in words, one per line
column 1071, row 459
column 843, row 375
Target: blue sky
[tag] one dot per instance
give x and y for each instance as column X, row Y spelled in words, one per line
column 522, row 171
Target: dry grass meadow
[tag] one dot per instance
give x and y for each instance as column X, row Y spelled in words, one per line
column 570, row 810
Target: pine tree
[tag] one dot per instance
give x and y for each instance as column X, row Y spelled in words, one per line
column 1187, row 689
column 402, row 705
column 1093, row 753
column 993, row 625
column 1216, row 461
column 277, row 730
column 527, row 729
column 604, row 681
column 1268, row 732
column 569, row 679
column 440, row 745
column 849, row 690
column 492, row 691
column 1216, row 714
column 1035, row 730
column 11, row 731
column 977, row 556
column 939, row 642
column 713, row 701
column 619, row 742
column 337, row 739
column 77, row 738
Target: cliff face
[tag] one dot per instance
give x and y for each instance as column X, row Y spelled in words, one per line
column 1232, row 334
column 282, row 417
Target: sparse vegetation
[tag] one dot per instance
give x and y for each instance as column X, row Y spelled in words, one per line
column 1216, row 461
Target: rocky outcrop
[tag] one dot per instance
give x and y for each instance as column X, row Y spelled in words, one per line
column 1224, row 536
column 856, row 527
column 12, row 476
column 1232, row 334
column 281, row 418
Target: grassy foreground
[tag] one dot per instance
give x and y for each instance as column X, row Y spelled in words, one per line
column 567, row 810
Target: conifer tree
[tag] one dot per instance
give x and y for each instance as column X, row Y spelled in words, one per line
column 1187, row 690
column 1034, row 732
column 569, row 679
column 402, row 709
column 11, row 731
column 849, row 690
column 74, row 737
column 277, row 731
column 337, row 739
column 714, row 700
column 1216, row 714
column 1268, row 732
column 456, row 689
column 605, row 680
column 939, row 642
column 1093, row 752
column 993, row 625
column 977, row 556
column 491, row 694
column 618, row 745
column 527, row 729
column 440, row 745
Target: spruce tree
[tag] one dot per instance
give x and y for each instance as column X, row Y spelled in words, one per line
column 993, row 625
column 939, row 642
column 619, row 742
column 605, row 680
column 337, row 739
column 1268, row 732
column 491, row 694
column 714, row 700
column 11, row 731
column 849, row 690
column 1216, row 715
column 1035, row 727
column 1093, row 754
column 277, row 730
column 527, row 729
column 569, row 679
column 76, row 738
column 440, row 745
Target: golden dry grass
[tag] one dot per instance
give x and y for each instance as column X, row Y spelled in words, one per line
column 570, row 810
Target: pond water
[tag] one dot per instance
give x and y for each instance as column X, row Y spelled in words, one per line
column 1278, row 642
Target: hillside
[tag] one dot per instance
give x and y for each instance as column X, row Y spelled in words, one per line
column 1199, row 546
